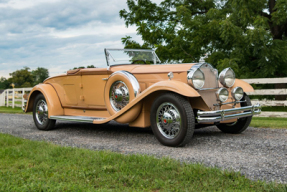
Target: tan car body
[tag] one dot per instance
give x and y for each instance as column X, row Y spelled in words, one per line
column 85, row 92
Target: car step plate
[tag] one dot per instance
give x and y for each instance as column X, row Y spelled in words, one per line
column 77, row 118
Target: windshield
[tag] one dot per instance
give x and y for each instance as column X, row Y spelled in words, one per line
column 131, row 56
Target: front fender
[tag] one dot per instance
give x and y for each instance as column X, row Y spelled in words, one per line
column 245, row 86
column 51, row 96
column 172, row 86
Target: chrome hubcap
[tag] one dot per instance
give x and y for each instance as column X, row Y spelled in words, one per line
column 119, row 95
column 168, row 120
column 42, row 112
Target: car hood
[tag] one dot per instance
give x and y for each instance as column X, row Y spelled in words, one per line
column 163, row 68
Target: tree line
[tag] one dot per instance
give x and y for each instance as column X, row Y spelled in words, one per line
column 24, row 78
column 249, row 36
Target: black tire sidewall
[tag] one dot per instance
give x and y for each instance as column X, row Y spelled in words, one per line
column 49, row 123
column 184, row 124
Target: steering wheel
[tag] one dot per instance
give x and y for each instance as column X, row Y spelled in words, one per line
column 138, row 60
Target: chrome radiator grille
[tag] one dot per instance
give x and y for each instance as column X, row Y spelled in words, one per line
column 210, row 74
column 211, row 81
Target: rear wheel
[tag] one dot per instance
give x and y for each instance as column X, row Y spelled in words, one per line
column 40, row 114
column 241, row 124
column 172, row 120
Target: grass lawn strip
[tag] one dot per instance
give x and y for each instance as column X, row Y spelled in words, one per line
column 40, row 166
column 269, row 122
column 16, row 110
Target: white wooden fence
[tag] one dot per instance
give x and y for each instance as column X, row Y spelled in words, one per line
column 265, row 102
column 13, row 97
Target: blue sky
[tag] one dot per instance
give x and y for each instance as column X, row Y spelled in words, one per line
column 59, row 34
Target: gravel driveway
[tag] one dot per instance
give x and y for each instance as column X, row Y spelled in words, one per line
column 256, row 153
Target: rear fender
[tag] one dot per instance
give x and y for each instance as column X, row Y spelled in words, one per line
column 51, row 96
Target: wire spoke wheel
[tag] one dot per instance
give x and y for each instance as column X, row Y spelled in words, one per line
column 172, row 120
column 41, row 112
column 168, row 120
column 41, row 115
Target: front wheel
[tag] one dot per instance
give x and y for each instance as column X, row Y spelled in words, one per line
column 40, row 114
column 241, row 124
column 172, row 120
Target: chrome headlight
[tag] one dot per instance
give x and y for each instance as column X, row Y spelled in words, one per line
column 196, row 78
column 227, row 77
column 222, row 94
column 237, row 93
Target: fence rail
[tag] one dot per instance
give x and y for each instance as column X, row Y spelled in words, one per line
column 265, row 102
column 13, row 97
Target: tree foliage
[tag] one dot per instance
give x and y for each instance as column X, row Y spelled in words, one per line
column 83, row 67
column 247, row 35
column 4, row 83
column 24, row 78
column 39, row 75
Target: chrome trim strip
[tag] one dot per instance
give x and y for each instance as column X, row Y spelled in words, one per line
column 76, row 118
column 221, row 115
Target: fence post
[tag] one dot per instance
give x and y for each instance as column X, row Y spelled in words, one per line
column 7, row 98
column 13, row 98
column 1, row 99
column 23, row 92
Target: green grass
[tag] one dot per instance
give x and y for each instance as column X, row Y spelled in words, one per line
column 16, row 102
column 11, row 110
column 39, row 166
column 269, row 122
column 277, row 108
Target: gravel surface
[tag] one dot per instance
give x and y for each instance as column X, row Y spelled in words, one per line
column 256, row 153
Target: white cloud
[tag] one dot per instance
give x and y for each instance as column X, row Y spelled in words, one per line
column 59, row 34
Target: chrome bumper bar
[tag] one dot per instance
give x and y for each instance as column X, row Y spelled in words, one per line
column 227, row 114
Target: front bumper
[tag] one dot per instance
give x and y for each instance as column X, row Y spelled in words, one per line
column 227, row 114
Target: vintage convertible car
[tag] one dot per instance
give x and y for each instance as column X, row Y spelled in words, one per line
column 172, row 99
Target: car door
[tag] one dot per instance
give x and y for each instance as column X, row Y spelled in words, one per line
column 93, row 86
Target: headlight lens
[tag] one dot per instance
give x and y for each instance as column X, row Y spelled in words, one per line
column 222, row 94
column 227, row 77
column 237, row 93
column 196, row 78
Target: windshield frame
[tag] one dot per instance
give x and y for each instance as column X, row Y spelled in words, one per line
column 109, row 55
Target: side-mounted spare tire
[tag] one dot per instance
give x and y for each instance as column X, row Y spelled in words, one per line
column 121, row 88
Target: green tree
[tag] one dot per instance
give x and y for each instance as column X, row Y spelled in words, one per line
column 247, row 35
column 39, row 75
column 4, row 83
column 22, row 78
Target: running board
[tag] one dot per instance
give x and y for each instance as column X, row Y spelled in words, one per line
column 77, row 118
